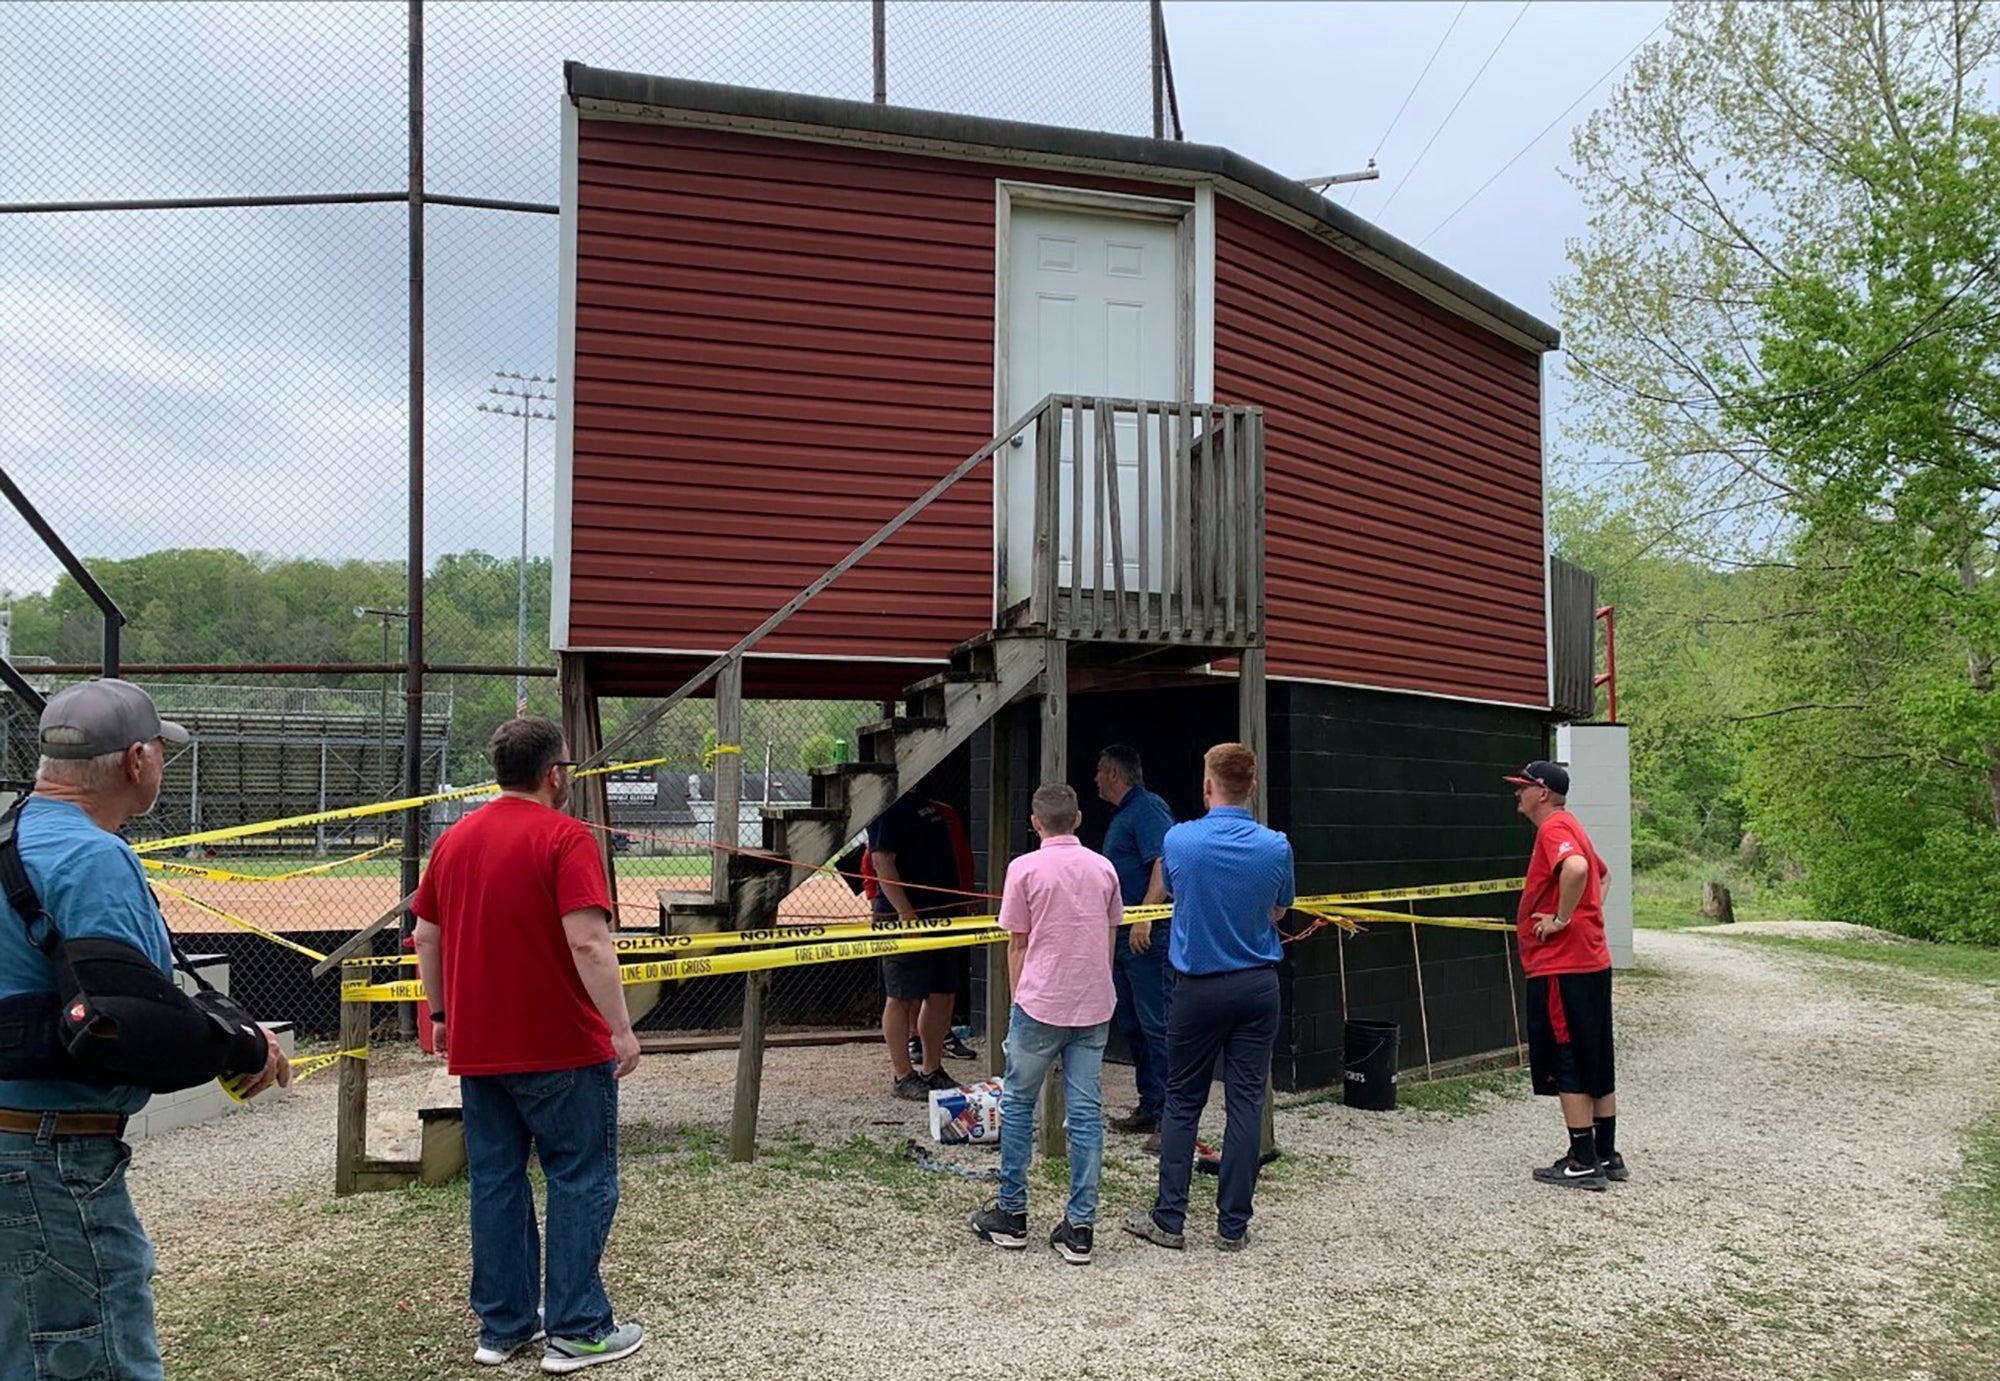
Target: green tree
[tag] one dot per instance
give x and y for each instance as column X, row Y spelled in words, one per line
column 1786, row 308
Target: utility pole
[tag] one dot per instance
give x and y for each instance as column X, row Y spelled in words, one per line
column 522, row 396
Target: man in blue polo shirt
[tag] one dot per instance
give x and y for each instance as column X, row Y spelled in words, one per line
column 1134, row 842
column 1232, row 880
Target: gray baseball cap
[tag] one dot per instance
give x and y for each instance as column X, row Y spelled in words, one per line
column 92, row 718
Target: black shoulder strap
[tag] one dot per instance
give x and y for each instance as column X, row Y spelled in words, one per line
column 21, row 896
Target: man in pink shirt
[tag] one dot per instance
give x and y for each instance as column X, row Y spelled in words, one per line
column 1061, row 908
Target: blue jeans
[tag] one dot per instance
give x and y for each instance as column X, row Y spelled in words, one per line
column 1145, row 987
column 571, row 1118
column 1231, row 1017
column 1033, row 1046
column 76, row 1270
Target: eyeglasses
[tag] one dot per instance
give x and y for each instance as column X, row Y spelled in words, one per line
column 566, row 766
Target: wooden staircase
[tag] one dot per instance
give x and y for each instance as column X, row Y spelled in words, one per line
column 939, row 714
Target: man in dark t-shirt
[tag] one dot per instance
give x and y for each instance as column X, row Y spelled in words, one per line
column 916, row 869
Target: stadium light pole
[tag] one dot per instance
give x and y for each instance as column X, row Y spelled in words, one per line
column 369, row 611
column 522, row 396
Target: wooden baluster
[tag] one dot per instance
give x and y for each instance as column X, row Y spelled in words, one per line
column 1107, row 462
column 1145, row 524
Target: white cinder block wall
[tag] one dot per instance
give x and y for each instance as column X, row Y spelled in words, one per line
column 1599, row 759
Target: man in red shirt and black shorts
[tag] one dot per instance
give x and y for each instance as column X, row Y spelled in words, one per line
column 514, row 942
column 1561, row 925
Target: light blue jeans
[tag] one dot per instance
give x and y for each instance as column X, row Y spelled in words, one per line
column 1032, row 1046
column 76, row 1270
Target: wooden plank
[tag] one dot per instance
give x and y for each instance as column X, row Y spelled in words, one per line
column 1233, row 519
column 1055, row 768
column 1168, row 540
column 700, row 1042
column 350, row 1137
column 1099, row 507
column 1145, row 624
column 1253, row 731
column 1048, row 469
column 1107, row 461
column 589, row 798
column 1260, row 531
column 999, row 850
column 1185, row 519
column 1076, row 510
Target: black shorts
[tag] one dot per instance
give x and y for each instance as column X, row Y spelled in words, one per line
column 913, row 976
column 1569, row 1034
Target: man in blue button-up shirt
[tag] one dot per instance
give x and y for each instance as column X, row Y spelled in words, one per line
column 1232, row 880
column 1134, row 842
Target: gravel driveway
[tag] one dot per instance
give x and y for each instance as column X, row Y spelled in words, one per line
column 1791, row 1131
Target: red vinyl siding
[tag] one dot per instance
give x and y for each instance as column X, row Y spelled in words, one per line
column 779, row 344
column 1403, row 471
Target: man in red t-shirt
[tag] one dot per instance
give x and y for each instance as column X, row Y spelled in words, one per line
column 514, row 945
column 1561, row 925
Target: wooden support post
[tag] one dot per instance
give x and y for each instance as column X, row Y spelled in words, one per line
column 1423, row 1007
column 589, row 799
column 728, row 773
column 728, row 802
column 1055, row 768
column 1513, row 1002
column 999, row 849
column 1253, row 731
column 749, row 1069
column 350, row 1139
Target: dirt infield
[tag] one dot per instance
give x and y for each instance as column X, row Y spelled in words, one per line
column 348, row 903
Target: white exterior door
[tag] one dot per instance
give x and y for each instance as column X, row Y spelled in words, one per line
column 1093, row 308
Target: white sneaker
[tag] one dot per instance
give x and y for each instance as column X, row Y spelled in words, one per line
column 493, row 1356
column 573, row 1354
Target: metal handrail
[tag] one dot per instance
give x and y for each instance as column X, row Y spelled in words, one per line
column 797, row 602
column 114, row 617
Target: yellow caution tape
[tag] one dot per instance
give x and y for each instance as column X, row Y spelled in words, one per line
column 708, row 758
column 1439, row 889
column 163, row 865
column 303, row 1068
column 240, row 923
column 325, row 817
column 361, row 989
column 1362, row 913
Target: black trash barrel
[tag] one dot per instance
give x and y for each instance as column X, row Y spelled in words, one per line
column 1369, row 1080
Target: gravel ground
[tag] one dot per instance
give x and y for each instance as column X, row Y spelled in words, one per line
column 1791, row 1139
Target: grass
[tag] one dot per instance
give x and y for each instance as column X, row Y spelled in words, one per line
column 1959, row 963
column 1974, row 1207
column 1669, row 897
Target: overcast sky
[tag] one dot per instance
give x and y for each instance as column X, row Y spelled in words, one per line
column 236, row 378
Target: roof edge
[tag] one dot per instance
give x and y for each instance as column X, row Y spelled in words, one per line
column 1361, row 238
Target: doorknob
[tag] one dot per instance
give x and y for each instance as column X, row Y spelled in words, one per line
column 1017, row 441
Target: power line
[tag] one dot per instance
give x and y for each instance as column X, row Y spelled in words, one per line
column 1420, row 79
column 1609, row 73
column 1454, row 108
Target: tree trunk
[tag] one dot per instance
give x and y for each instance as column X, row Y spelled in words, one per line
column 1716, row 905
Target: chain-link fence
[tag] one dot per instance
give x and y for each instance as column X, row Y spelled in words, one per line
column 205, row 249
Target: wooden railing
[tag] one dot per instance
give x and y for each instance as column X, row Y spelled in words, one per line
column 1145, row 522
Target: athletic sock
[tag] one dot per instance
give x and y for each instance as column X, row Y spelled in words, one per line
column 1607, row 1137
column 1582, row 1145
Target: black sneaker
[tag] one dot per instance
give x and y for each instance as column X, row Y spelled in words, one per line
column 1010, row 1230
column 1071, row 1243
column 913, row 1087
column 916, row 1052
column 937, row 1078
column 1570, row 1175
column 1614, row 1168
column 1135, row 1122
column 956, row 1049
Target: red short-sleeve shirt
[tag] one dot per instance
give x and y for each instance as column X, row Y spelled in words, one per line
column 1580, row 948
column 498, row 886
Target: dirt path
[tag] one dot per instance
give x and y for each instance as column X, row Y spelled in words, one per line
column 1792, row 1128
